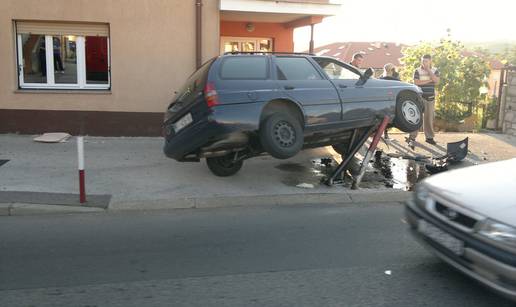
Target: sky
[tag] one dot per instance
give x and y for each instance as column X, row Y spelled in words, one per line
column 407, row 21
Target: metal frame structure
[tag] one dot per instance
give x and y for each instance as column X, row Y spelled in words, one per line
column 380, row 125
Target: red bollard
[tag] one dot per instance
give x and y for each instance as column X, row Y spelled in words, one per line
column 80, row 156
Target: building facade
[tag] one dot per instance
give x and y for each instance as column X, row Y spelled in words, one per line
column 111, row 67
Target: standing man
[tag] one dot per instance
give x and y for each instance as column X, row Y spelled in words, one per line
column 358, row 58
column 426, row 77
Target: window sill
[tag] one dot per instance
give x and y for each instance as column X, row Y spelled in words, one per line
column 68, row 91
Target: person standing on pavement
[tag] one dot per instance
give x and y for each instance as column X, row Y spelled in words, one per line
column 389, row 73
column 358, row 58
column 426, row 77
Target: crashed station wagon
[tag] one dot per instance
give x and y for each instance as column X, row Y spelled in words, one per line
column 241, row 105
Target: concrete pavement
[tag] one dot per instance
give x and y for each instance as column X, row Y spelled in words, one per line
column 137, row 176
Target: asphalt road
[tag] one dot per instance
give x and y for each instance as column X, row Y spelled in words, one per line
column 272, row 256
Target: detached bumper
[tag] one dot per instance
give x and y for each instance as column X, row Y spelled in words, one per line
column 490, row 265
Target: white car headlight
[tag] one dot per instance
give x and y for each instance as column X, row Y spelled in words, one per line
column 497, row 231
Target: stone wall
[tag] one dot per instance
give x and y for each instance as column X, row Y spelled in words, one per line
column 509, row 108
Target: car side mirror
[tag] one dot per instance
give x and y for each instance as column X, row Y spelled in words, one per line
column 368, row 73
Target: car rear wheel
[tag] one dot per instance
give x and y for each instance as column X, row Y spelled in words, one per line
column 281, row 135
column 409, row 113
column 224, row 166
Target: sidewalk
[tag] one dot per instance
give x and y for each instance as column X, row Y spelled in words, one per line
column 136, row 175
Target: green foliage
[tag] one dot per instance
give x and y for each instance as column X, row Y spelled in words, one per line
column 453, row 113
column 461, row 76
column 508, row 56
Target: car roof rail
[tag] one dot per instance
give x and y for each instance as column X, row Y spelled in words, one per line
column 267, row 52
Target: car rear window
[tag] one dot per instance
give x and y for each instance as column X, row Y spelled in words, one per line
column 244, row 68
column 195, row 83
column 296, row 68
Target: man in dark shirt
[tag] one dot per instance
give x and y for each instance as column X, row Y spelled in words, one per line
column 426, row 77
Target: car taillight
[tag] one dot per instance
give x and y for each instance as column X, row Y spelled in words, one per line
column 212, row 99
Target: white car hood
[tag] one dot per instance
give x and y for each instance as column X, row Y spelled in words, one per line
column 488, row 189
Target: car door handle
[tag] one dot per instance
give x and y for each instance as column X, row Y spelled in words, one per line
column 289, row 87
column 343, row 86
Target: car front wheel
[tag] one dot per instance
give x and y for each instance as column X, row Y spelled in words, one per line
column 409, row 113
column 224, row 166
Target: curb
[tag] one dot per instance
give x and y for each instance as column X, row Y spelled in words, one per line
column 361, row 196
column 21, row 209
column 349, row 197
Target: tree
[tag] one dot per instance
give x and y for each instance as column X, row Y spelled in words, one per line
column 508, row 56
column 462, row 75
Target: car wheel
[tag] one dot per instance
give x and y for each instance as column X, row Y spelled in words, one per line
column 281, row 135
column 224, row 166
column 409, row 113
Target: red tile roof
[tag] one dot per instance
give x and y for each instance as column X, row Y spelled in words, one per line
column 494, row 64
column 376, row 54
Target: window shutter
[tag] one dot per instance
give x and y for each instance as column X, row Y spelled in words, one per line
column 62, row 28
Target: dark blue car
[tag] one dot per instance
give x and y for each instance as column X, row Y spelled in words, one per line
column 237, row 106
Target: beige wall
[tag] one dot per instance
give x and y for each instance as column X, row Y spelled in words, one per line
column 152, row 51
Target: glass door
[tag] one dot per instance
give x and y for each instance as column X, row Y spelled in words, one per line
column 245, row 44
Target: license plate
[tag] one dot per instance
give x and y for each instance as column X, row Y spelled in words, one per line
column 182, row 122
column 448, row 241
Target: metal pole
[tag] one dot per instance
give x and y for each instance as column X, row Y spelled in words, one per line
column 370, row 151
column 198, row 33
column 350, row 156
column 311, row 49
column 499, row 98
column 80, row 156
column 353, row 138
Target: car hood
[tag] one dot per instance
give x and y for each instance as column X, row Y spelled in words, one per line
column 393, row 83
column 489, row 189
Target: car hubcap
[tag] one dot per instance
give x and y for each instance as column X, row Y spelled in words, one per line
column 284, row 134
column 411, row 112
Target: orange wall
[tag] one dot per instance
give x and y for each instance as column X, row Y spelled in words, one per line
column 283, row 37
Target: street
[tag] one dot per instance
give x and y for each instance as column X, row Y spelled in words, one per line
column 331, row 255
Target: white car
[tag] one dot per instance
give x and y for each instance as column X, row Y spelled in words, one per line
column 467, row 217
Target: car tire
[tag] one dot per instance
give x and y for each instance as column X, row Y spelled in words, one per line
column 409, row 113
column 224, row 166
column 281, row 135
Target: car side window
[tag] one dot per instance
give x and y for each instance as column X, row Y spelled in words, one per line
column 296, row 68
column 336, row 71
column 244, row 68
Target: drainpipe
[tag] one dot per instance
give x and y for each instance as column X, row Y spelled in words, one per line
column 198, row 33
column 311, row 49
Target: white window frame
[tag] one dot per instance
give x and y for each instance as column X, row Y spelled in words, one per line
column 81, row 67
